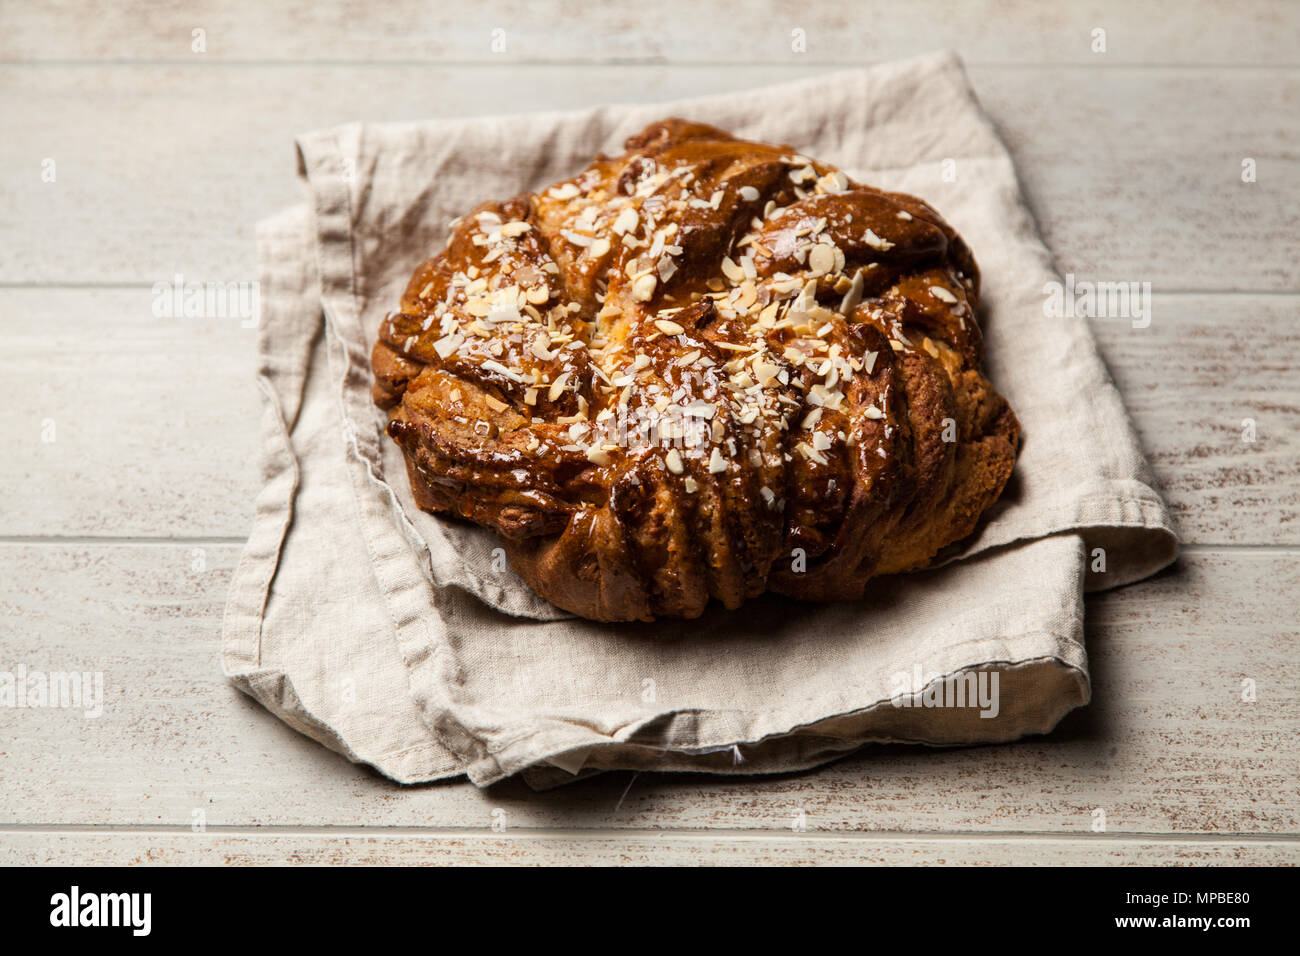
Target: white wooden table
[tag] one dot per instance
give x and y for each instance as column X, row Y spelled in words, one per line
column 130, row 458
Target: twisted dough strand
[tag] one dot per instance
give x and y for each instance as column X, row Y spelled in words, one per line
column 703, row 369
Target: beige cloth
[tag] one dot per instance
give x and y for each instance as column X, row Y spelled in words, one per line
column 395, row 638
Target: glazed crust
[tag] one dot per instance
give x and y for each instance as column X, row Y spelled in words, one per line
column 703, row 369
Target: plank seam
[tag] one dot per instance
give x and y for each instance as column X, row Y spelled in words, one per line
column 1204, row 66
column 559, row 833
column 96, row 540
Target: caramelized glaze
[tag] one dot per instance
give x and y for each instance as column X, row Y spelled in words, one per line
column 703, row 369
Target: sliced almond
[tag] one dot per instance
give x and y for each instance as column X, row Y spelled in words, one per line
column 448, row 344
column 500, row 369
column 731, row 270
column 626, row 221
column 875, row 242
column 717, row 464
column 821, row 258
column 643, row 289
column 854, row 294
column 557, row 387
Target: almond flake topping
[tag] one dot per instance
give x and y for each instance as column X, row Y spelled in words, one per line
column 643, row 289
column 502, row 370
column 626, row 222
column 557, row 386
column 811, row 453
column 822, row 257
column 875, row 242
column 448, row 344
column 854, row 294
column 732, row 271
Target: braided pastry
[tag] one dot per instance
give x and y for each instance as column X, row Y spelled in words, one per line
column 703, row 369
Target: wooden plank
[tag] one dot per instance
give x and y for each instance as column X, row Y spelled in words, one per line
column 1201, row 33
column 156, row 420
column 1138, row 177
column 1133, row 174
column 118, row 422
column 361, row 848
column 1206, row 368
column 1167, row 745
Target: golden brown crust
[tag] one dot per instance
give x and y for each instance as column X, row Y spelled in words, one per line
column 700, row 370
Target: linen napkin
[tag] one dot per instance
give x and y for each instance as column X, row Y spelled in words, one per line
column 405, row 642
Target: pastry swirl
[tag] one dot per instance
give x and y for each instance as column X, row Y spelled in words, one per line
column 705, row 368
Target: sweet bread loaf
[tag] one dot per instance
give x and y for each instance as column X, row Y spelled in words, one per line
column 702, row 369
